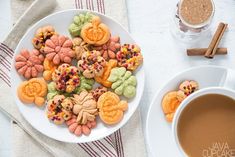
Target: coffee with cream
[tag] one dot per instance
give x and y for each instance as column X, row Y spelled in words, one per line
column 206, row 127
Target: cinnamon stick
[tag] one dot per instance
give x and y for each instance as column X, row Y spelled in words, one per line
column 202, row 51
column 218, row 41
column 215, row 40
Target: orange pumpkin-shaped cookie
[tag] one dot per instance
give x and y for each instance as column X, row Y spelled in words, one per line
column 170, row 103
column 95, row 32
column 111, row 108
column 33, row 91
column 49, row 68
column 103, row 79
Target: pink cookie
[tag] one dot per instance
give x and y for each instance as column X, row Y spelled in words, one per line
column 109, row 49
column 79, row 129
column 29, row 64
column 59, row 49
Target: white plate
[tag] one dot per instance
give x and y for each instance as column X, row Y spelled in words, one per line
column 158, row 130
column 36, row 116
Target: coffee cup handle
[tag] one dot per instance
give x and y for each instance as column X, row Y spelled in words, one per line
column 228, row 80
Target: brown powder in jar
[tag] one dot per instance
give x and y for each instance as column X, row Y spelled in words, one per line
column 195, row 12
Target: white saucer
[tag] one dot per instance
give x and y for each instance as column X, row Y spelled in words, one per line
column 158, row 130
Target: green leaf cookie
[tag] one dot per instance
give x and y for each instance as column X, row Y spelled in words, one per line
column 124, row 83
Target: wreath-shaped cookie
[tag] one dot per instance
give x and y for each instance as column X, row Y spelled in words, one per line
column 129, row 56
column 91, row 64
column 59, row 109
column 66, row 78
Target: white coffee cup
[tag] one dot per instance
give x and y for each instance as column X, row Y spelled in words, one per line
column 211, row 90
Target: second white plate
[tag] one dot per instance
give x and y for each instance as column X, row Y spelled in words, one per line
column 158, row 130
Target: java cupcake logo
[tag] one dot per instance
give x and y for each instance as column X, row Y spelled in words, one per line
column 219, row 150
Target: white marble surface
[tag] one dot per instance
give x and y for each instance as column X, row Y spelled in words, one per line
column 164, row 55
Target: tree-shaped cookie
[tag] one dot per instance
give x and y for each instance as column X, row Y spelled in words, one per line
column 124, row 83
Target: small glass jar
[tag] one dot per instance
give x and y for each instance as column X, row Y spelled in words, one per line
column 186, row 31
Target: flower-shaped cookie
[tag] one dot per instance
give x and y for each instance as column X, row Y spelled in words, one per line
column 85, row 84
column 98, row 92
column 129, row 56
column 109, row 49
column 124, row 83
column 58, row 110
column 78, row 22
column 79, row 47
column 33, row 91
column 58, row 49
column 186, row 88
column 49, row 68
column 91, row 64
column 29, row 64
column 84, row 107
column 41, row 35
column 111, row 108
column 95, row 32
column 103, row 79
column 79, row 129
column 66, row 78
column 170, row 103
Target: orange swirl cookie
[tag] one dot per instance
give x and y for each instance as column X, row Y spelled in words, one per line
column 33, row 91
column 170, row 103
column 111, row 108
column 103, row 79
column 95, row 32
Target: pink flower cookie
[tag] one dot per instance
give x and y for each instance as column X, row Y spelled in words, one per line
column 129, row 57
column 109, row 49
column 59, row 49
column 79, row 129
column 29, row 64
column 66, row 78
column 91, row 64
column 59, row 109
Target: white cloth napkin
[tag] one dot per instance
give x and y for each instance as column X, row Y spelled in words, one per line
column 28, row 142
